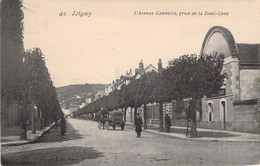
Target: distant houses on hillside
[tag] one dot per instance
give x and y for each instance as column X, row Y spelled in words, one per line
column 74, row 97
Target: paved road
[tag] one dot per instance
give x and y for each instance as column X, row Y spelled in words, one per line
column 85, row 144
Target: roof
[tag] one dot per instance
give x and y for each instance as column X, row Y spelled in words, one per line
column 149, row 67
column 248, row 52
column 122, row 77
column 226, row 34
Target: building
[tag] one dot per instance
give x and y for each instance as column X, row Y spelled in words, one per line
column 99, row 94
column 152, row 109
column 89, row 99
column 141, row 71
column 237, row 105
column 108, row 89
column 124, row 79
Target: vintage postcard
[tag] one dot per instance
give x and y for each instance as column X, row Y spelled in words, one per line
column 132, row 82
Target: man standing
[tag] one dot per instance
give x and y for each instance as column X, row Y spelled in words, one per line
column 138, row 125
column 167, row 122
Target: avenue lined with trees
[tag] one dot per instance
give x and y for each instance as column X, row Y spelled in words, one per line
column 187, row 77
column 200, row 109
column 25, row 77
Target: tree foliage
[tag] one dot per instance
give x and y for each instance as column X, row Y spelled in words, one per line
column 35, row 86
column 24, row 75
column 11, row 46
column 195, row 77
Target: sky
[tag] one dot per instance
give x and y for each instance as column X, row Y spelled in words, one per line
column 80, row 50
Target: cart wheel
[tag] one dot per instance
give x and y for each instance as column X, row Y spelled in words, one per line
column 114, row 126
column 99, row 125
column 107, row 125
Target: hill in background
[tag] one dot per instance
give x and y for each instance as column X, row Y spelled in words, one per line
column 73, row 97
column 80, row 88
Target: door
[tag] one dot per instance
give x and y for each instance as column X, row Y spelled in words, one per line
column 223, row 108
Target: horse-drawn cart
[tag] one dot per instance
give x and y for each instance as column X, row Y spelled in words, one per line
column 113, row 118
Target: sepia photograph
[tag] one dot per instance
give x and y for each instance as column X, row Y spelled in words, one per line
column 130, row 83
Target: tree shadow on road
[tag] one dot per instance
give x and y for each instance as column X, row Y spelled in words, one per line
column 209, row 134
column 54, row 134
column 214, row 134
column 51, row 156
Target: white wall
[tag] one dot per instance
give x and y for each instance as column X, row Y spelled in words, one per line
column 249, row 84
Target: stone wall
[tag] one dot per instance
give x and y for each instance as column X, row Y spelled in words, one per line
column 152, row 111
column 216, row 104
column 10, row 113
column 247, row 116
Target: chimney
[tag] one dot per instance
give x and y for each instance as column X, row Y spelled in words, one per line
column 160, row 65
column 136, row 71
column 130, row 72
column 141, row 65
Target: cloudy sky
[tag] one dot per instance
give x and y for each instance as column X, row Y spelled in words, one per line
column 81, row 50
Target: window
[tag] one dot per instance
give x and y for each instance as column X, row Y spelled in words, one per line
column 210, row 112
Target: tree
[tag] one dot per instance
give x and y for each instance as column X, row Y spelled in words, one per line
column 124, row 98
column 36, row 87
column 113, row 100
column 20, row 78
column 134, row 96
column 149, row 89
column 39, row 81
column 23, row 95
column 158, row 93
column 148, row 83
column 11, row 46
column 196, row 77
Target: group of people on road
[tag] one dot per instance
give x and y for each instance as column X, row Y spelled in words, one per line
column 139, row 124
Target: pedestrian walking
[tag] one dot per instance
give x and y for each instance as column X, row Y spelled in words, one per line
column 167, row 122
column 138, row 125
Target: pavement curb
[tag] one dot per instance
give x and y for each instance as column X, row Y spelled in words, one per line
column 29, row 141
column 238, row 138
column 198, row 138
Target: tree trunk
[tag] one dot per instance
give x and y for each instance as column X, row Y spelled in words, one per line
column 135, row 114
column 45, row 119
column 41, row 120
column 161, row 116
column 193, row 118
column 23, row 136
column 131, row 114
column 188, row 120
column 125, row 114
column 145, row 124
column 187, row 130
column 33, row 121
